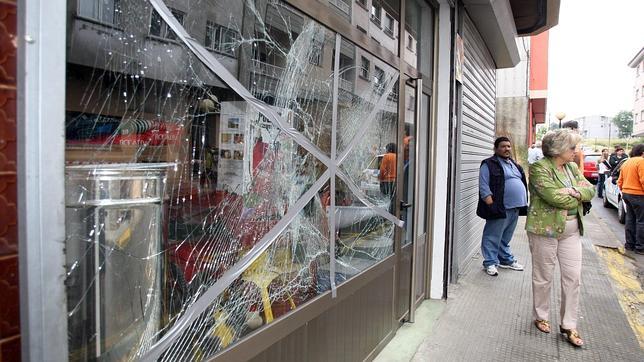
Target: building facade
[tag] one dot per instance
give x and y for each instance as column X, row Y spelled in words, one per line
column 249, row 180
column 597, row 127
column 522, row 91
column 637, row 63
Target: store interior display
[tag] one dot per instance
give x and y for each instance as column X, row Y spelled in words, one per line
column 201, row 204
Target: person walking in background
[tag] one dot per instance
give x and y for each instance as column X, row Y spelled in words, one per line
column 554, row 226
column 603, row 169
column 617, row 156
column 631, row 182
column 535, row 153
column 502, row 199
column 579, row 152
column 387, row 175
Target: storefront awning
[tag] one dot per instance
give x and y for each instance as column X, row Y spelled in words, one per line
column 532, row 17
column 501, row 21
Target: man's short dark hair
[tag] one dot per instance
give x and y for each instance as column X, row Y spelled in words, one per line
column 604, row 149
column 498, row 141
column 619, row 148
column 637, row 150
column 570, row 124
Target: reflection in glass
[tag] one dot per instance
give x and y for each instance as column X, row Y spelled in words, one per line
column 409, row 164
column 367, row 125
column 137, row 97
column 379, row 19
column 362, row 237
column 418, row 36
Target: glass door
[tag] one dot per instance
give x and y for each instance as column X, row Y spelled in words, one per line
column 407, row 202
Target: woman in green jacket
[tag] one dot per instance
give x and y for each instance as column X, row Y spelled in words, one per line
column 554, row 225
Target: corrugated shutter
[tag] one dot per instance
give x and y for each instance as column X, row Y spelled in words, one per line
column 476, row 141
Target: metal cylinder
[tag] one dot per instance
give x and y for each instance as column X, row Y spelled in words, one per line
column 113, row 219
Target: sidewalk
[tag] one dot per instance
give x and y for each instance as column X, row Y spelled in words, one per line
column 490, row 318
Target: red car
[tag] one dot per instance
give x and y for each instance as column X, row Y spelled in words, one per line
column 590, row 166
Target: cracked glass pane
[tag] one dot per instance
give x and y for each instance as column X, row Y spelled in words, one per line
column 368, row 108
column 197, row 186
column 379, row 19
column 363, row 237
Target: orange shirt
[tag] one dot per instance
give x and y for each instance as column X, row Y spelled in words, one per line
column 388, row 168
column 579, row 159
column 631, row 176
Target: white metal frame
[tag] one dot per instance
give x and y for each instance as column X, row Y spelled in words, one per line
column 41, row 190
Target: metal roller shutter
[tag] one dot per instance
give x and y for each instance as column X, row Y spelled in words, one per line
column 476, row 141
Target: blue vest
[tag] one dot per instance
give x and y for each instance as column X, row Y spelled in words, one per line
column 497, row 186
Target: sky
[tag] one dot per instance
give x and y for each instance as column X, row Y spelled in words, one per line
column 588, row 57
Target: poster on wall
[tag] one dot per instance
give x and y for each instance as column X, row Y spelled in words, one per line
column 459, row 59
column 233, row 128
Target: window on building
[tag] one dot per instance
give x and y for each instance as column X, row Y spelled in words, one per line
column 410, row 42
column 159, row 28
column 364, row 68
column 379, row 80
column 221, row 39
column 376, row 12
column 389, row 25
column 362, row 2
column 315, row 57
column 105, row 11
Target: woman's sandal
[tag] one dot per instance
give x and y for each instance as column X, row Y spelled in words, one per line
column 572, row 336
column 542, row 325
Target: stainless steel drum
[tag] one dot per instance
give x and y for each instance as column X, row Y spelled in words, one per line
column 113, row 227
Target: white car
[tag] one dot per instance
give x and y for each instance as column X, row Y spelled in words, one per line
column 613, row 197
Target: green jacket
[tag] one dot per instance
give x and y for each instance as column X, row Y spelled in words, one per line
column 548, row 208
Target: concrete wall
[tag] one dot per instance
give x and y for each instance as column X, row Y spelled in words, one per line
column 512, row 118
column 442, row 104
column 513, row 82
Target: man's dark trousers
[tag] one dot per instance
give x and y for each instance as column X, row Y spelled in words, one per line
column 634, row 222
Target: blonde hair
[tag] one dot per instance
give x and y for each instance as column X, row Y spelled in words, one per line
column 556, row 142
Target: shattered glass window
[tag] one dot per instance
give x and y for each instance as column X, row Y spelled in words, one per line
column 204, row 196
column 379, row 19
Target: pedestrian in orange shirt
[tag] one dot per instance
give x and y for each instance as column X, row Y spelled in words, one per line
column 387, row 176
column 631, row 182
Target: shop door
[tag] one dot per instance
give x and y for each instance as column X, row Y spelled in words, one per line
column 409, row 258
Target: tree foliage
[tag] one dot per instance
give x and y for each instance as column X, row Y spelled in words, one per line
column 541, row 132
column 624, row 122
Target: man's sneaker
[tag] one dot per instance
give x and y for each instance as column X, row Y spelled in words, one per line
column 514, row 266
column 491, row 270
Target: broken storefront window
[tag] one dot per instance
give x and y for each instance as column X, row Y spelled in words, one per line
column 200, row 173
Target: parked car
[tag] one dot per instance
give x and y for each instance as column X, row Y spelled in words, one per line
column 613, row 198
column 590, row 167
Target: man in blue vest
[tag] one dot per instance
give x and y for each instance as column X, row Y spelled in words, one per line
column 503, row 197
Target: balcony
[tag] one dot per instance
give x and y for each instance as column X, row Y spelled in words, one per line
column 266, row 69
column 345, row 85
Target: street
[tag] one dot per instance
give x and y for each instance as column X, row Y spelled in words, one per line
column 608, row 217
column 490, row 318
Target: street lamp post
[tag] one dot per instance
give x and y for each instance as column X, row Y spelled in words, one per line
column 560, row 116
